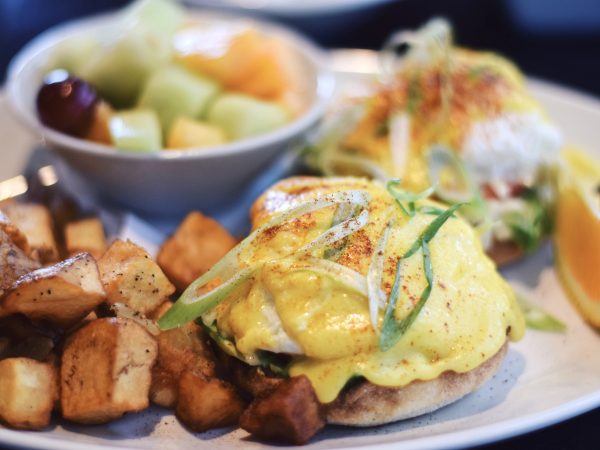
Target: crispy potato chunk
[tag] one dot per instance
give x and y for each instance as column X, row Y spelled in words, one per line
column 62, row 294
column 14, row 263
column 27, row 393
column 250, row 379
column 16, row 235
column 204, row 403
column 179, row 349
column 35, row 221
column 196, row 246
column 291, row 413
column 85, row 235
column 106, row 371
column 131, row 277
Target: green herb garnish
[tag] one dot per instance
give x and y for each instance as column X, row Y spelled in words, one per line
column 277, row 364
column 410, row 197
column 392, row 330
column 531, row 224
column 538, row 319
column 431, row 230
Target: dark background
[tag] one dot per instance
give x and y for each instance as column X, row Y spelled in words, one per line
column 550, row 39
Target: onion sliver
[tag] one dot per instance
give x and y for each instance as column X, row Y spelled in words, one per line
column 374, row 277
column 192, row 305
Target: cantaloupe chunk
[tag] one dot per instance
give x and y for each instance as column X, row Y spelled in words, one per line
column 188, row 133
column 240, row 58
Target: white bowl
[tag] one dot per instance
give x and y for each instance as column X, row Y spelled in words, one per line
column 174, row 181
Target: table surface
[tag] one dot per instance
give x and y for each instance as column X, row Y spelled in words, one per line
column 570, row 58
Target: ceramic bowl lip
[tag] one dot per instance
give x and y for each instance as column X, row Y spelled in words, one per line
column 47, row 40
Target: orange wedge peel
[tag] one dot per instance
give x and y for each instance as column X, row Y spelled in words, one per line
column 577, row 234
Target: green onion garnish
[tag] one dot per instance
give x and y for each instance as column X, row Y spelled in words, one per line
column 232, row 272
column 538, row 319
column 392, row 330
column 431, row 230
column 410, row 197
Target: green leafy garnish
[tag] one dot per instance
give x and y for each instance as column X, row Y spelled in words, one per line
column 277, row 364
column 225, row 343
column 530, row 225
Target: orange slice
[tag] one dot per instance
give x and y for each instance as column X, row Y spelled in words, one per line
column 577, row 236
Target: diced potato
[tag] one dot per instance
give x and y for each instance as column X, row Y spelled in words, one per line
column 291, row 413
column 196, row 246
column 131, row 277
column 160, row 310
column 4, row 346
column 14, row 263
column 179, row 349
column 164, row 388
column 249, row 379
column 106, row 371
column 27, row 393
column 85, row 235
column 204, row 403
column 36, row 347
column 62, row 294
column 36, row 223
column 14, row 233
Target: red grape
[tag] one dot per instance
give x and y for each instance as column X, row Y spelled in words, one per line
column 66, row 103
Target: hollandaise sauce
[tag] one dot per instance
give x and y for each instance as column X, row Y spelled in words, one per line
column 322, row 318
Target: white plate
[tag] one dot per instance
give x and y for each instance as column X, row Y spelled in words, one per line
column 546, row 377
column 291, row 8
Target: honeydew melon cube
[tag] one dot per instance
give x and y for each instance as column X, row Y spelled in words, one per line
column 189, row 133
column 173, row 91
column 242, row 116
column 136, row 130
column 73, row 54
column 118, row 70
column 162, row 16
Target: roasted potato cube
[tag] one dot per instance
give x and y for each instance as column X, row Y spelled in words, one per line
column 27, row 393
column 206, row 403
column 16, row 235
column 106, row 371
column 196, row 246
column 19, row 338
column 62, row 294
column 160, row 310
column 4, row 346
column 85, row 235
column 163, row 390
column 250, row 379
column 131, row 277
column 180, row 349
column 38, row 348
column 36, row 223
column 291, row 413
column 14, row 263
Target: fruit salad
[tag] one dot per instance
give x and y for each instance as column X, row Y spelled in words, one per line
column 157, row 80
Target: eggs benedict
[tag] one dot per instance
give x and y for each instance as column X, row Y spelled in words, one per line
column 382, row 299
column 463, row 121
